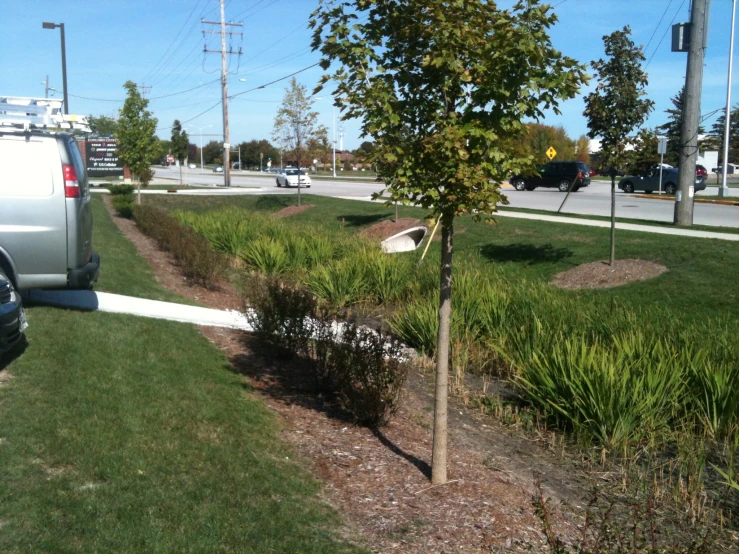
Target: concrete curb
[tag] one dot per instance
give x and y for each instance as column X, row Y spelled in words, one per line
column 696, row 199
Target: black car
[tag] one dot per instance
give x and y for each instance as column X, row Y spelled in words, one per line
column 12, row 319
column 563, row 176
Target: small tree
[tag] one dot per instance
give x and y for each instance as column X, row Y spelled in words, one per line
column 179, row 143
column 442, row 88
column 617, row 107
column 137, row 144
column 296, row 124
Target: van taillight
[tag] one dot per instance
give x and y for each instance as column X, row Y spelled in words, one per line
column 71, row 185
column 579, row 175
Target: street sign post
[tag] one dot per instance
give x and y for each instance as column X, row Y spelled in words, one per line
column 551, row 153
column 661, row 149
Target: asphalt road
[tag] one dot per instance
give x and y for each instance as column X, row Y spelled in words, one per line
column 593, row 200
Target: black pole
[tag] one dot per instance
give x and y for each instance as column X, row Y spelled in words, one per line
column 64, row 71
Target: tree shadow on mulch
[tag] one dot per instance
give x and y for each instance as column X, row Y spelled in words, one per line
column 362, row 220
column 526, row 253
column 291, row 382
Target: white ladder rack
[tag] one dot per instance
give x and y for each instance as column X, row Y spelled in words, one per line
column 38, row 113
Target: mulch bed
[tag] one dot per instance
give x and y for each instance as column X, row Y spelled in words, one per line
column 292, row 210
column 388, row 228
column 600, row 275
column 379, row 480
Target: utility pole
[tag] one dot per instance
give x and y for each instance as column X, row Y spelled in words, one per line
column 144, row 89
column 46, row 87
column 224, row 87
column 691, row 115
column 724, row 188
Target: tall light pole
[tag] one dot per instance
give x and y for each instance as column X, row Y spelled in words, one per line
column 724, row 188
column 201, row 143
column 47, row 25
column 333, row 127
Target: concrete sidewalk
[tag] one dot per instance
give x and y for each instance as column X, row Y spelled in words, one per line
column 677, row 231
column 88, row 300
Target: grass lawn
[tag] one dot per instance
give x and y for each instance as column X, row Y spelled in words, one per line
column 695, row 285
column 124, row 434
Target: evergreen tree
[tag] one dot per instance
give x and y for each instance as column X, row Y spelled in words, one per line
column 717, row 136
column 671, row 129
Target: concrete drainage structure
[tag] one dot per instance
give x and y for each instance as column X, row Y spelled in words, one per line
column 405, row 241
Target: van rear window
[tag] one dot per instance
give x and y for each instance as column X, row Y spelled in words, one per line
column 24, row 169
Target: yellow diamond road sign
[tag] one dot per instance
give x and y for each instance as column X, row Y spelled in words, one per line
column 551, row 153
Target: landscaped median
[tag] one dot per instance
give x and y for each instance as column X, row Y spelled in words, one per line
column 124, row 434
column 626, row 371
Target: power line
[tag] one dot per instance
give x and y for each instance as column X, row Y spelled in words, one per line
column 658, row 24
column 156, row 65
column 244, row 92
column 665, row 34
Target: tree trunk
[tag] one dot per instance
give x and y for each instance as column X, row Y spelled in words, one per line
column 438, row 456
column 180, row 164
column 613, row 219
column 396, row 212
column 298, row 189
column 138, row 196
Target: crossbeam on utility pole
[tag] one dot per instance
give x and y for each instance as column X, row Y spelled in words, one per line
column 224, row 88
column 691, row 115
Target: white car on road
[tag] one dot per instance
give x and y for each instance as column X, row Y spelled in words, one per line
column 293, row 178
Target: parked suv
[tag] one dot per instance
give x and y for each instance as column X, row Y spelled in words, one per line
column 649, row 181
column 45, row 211
column 563, row 176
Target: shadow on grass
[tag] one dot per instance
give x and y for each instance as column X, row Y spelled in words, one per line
column 525, row 253
column 361, row 220
column 272, row 203
column 291, row 382
column 16, row 352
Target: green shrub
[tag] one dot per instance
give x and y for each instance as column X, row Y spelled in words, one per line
column 119, row 190
column 341, row 283
column 388, row 277
column 281, row 315
column 364, row 368
column 370, row 372
column 123, row 204
column 267, row 256
column 197, row 259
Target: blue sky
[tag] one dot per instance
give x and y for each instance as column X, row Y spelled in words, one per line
column 160, row 43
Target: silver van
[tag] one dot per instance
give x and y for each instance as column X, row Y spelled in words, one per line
column 45, row 211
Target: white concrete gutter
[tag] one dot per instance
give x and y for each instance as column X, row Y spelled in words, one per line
column 87, row 300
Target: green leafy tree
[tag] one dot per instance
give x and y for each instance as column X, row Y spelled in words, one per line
column 213, row 152
column 442, row 88
column 540, row 137
column 296, row 124
column 137, row 144
column 582, row 149
column 716, row 141
column 617, row 107
column 251, row 151
column 671, row 129
column 103, row 125
column 179, row 143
